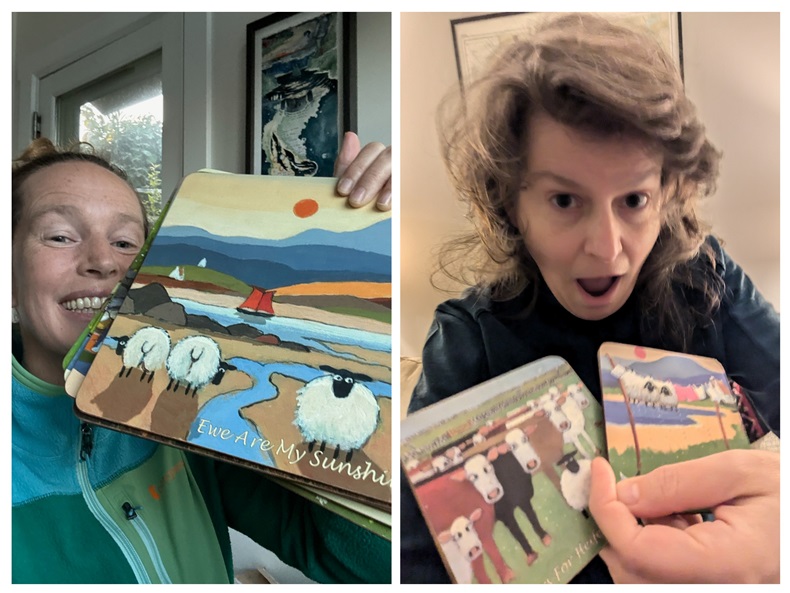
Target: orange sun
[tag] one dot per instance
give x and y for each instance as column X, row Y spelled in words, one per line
column 305, row 208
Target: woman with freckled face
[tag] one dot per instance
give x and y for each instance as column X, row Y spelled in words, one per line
column 581, row 162
column 80, row 228
column 91, row 505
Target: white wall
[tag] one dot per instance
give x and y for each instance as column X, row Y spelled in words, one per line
column 429, row 212
column 732, row 74
column 735, row 86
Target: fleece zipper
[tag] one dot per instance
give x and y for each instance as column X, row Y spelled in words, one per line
column 95, row 507
column 148, row 540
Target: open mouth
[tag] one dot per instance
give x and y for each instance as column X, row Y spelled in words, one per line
column 598, row 287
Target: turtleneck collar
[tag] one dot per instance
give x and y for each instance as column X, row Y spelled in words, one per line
column 32, row 382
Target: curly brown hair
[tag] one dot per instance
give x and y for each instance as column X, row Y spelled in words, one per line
column 42, row 153
column 603, row 79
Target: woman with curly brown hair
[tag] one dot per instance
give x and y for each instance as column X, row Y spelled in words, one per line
column 581, row 162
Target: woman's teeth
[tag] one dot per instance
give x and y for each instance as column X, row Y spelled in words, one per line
column 84, row 303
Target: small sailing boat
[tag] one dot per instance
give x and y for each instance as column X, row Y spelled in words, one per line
column 177, row 273
column 258, row 303
column 202, row 263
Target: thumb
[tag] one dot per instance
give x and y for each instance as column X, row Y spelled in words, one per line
column 695, row 485
column 614, row 519
column 348, row 152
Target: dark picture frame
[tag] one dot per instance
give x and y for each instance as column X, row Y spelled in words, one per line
column 301, row 91
column 476, row 38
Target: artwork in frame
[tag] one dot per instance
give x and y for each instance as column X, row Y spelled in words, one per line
column 300, row 91
column 477, row 38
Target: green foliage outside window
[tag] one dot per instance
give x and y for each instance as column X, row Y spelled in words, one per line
column 133, row 143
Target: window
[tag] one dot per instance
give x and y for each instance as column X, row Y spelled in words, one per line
column 120, row 114
column 111, row 63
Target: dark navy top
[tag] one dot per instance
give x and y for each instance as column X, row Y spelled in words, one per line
column 474, row 338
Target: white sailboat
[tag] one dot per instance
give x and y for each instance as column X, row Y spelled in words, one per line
column 177, row 273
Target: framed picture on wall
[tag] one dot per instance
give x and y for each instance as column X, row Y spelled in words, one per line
column 300, row 91
column 477, row 38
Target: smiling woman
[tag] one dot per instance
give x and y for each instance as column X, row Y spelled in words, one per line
column 77, row 226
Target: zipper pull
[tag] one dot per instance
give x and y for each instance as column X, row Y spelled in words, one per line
column 86, row 445
column 130, row 511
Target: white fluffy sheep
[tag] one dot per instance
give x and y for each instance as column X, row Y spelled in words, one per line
column 196, row 361
column 338, row 410
column 575, row 482
column 631, row 382
column 650, row 393
column 644, row 389
column 147, row 348
column 668, row 397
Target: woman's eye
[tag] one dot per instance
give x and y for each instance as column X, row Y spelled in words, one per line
column 563, row 200
column 124, row 245
column 59, row 239
column 635, row 200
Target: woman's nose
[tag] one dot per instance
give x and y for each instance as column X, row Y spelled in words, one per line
column 604, row 236
column 98, row 258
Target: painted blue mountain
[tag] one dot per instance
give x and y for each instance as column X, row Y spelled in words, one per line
column 373, row 239
column 681, row 370
column 272, row 267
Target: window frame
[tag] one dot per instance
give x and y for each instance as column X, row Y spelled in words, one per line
column 85, row 58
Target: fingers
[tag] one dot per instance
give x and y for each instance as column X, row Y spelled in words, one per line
column 634, row 554
column 679, row 488
column 348, row 152
column 676, row 521
column 742, row 487
column 364, row 174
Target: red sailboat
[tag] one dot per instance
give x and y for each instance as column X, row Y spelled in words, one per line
column 258, row 303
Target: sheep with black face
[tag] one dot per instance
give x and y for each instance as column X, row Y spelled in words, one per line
column 337, row 410
column 575, row 482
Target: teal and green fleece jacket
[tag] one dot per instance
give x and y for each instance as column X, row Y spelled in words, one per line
column 92, row 505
